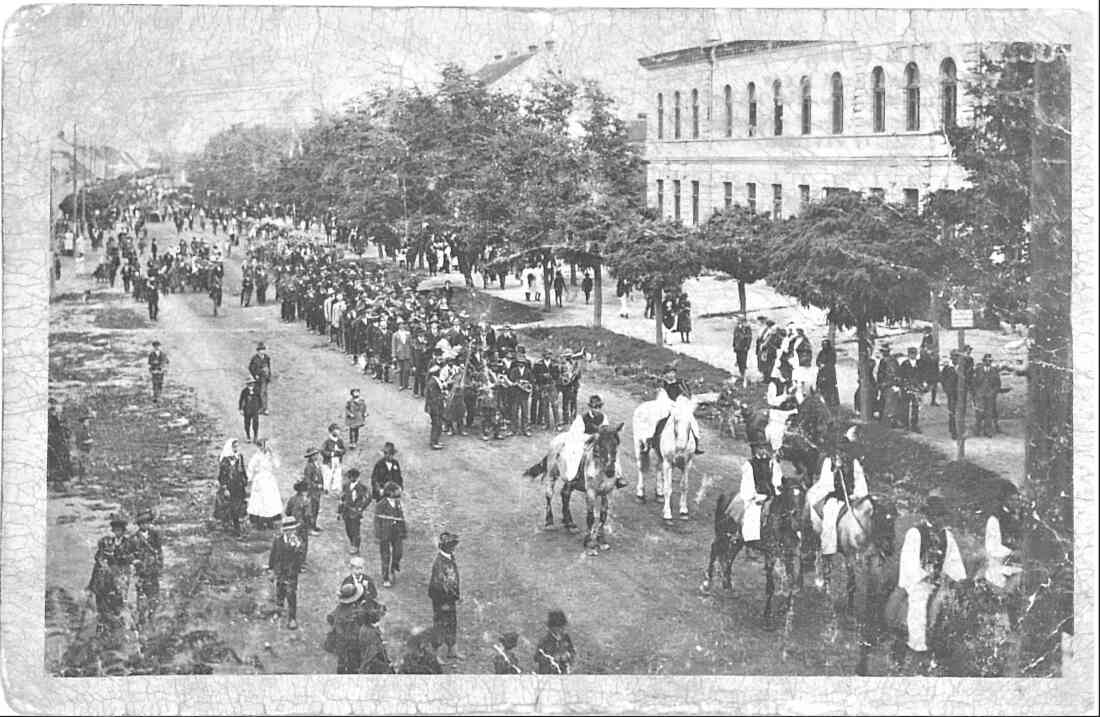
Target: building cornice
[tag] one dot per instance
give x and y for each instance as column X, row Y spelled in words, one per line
column 706, row 53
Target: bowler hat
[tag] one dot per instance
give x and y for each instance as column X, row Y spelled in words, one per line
column 350, row 592
column 311, row 452
column 556, row 618
column 446, row 539
column 119, row 519
column 389, row 448
column 261, row 346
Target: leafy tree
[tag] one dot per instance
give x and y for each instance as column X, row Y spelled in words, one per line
column 737, row 243
column 238, row 162
column 656, row 255
column 861, row 260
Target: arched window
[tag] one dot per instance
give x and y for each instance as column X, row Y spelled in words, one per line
column 660, row 116
column 777, row 115
column 676, row 115
column 807, row 105
column 695, row 114
column 912, row 97
column 838, row 103
column 729, row 110
column 948, row 92
column 878, row 96
column 752, row 109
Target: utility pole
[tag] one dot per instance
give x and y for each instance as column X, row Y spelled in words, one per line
column 73, row 173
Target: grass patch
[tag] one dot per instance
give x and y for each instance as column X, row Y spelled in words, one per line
column 496, row 311
column 114, row 317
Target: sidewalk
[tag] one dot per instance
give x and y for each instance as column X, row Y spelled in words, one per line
column 715, row 304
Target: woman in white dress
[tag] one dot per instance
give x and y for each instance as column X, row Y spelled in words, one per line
column 265, row 504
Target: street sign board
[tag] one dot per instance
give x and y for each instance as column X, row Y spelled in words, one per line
column 962, row 318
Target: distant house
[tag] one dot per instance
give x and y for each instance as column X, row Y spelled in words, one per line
column 514, row 72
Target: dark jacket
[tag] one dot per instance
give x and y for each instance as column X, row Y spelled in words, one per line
column 443, row 586
column 286, row 559
column 554, row 655
column 353, row 501
column 383, row 474
column 389, row 521
column 250, row 401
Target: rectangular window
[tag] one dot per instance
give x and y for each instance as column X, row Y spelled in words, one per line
column 803, row 195
column 661, row 198
column 777, row 201
column 727, row 193
column 878, row 192
column 750, row 193
column 835, row 191
column 912, row 198
column 695, row 203
column 676, row 199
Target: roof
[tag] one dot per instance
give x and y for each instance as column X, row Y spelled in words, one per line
column 691, row 55
column 493, row 71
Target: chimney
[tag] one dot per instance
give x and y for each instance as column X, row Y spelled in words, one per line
column 550, row 45
column 498, row 57
column 532, row 48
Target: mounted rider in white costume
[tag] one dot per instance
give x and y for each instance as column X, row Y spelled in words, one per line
column 584, row 426
column 670, row 390
column 841, row 482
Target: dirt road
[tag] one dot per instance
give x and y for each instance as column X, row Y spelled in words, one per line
column 634, row 609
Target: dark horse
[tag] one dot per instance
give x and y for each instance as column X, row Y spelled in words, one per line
column 808, row 436
column 780, row 542
column 598, row 474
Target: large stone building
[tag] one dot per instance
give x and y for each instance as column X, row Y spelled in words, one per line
column 776, row 124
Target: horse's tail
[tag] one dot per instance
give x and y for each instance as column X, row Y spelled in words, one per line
column 539, row 469
column 720, row 510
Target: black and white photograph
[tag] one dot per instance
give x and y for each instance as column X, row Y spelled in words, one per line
column 558, row 343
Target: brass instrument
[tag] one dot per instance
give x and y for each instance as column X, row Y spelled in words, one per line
column 525, row 386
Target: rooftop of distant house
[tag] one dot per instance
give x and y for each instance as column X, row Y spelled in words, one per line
column 504, row 63
column 701, row 53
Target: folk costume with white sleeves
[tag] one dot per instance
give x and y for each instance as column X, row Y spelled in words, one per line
column 928, row 555
column 584, row 426
column 761, row 479
column 841, row 483
column 782, row 404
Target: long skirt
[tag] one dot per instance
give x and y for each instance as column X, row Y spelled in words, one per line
column 265, row 500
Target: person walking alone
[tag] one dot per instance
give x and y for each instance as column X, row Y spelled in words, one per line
column 390, row 531
column 249, row 404
column 353, row 501
column 288, row 554
column 355, row 414
column 158, row 365
column 332, row 454
column 444, row 592
column 259, row 367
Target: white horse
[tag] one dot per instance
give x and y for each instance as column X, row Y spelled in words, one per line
column 676, row 445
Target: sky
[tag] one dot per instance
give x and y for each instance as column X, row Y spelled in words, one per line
column 167, row 77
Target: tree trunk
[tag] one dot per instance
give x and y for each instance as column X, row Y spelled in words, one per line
column 572, row 274
column 597, row 289
column 1049, row 447
column 866, row 398
column 741, row 298
column 659, row 313
column 546, row 279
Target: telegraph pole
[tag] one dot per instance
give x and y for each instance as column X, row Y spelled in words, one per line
column 73, row 173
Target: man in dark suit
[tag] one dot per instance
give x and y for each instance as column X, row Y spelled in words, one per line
column 386, row 470
column 158, row 364
column 260, row 369
column 949, row 379
column 434, row 406
column 402, row 350
column 519, row 374
column 249, row 404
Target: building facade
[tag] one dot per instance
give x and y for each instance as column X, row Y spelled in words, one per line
column 774, row 125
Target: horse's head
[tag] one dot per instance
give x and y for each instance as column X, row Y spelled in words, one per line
column 884, row 515
column 790, row 505
column 605, row 454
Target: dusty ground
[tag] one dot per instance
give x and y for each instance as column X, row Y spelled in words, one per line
column 634, row 609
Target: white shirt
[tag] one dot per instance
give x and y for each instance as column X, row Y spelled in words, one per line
column 748, row 481
column 910, row 570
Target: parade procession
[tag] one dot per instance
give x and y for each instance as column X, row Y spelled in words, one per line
column 333, row 394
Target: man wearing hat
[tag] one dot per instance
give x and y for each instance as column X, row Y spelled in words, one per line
column 357, row 566
column 390, row 531
column 343, row 637
column 840, row 483
column 354, row 499
column 355, row 414
column 672, row 387
column 386, row 470
column 520, row 377
column 402, row 350
column 148, row 563
column 260, row 370
column 742, row 342
column 158, row 365
column 927, row 367
column 84, row 441
column 929, row 558
column 434, row 406
column 300, row 507
column 110, row 581
column 444, row 592
column 949, row 379
column 987, row 385
column 250, row 404
column 909, row 381
column 761, row 479
column 555, row 652
column 288, row 556
column 505, row 662
column 372, row 650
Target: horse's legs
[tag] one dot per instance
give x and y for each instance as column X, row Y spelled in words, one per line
column 566, row 513
column 849, row 563
column 549, row 503
column 602, row 525
column 735, row 546
column 666, row 487
column 590, row 538
column 639, row 450
column 684, row 490
column 716, row 549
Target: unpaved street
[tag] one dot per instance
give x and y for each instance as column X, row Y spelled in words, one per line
column 634, row 609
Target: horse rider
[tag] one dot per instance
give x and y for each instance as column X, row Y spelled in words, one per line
column 761, row 478
column 783, row 398
column 584, row 426
column 928, row 556
column 672, row 387
column 843, row 472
